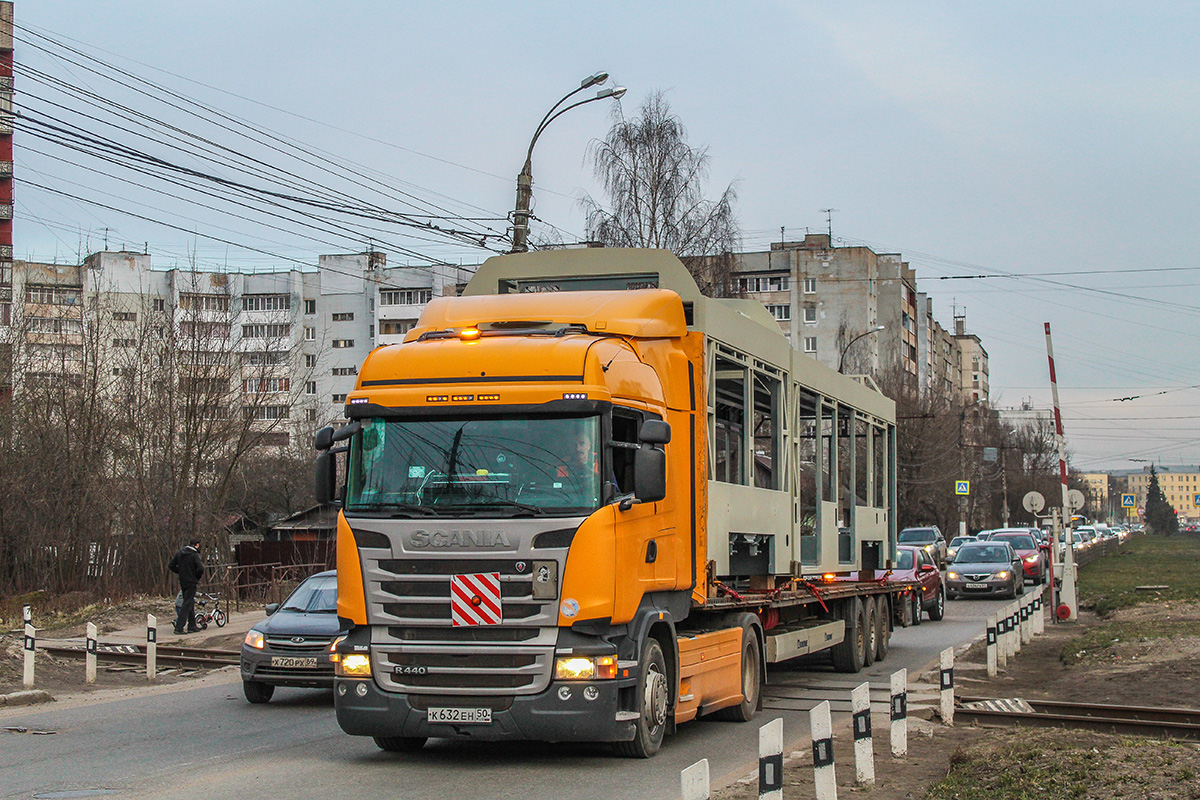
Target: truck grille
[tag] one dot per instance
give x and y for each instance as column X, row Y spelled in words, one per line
column 439, row 662
column 418, row 590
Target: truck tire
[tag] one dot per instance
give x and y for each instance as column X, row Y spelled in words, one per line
column 751, row 680
column 871, row 631
column 399, row 744
column 653, row 697
column 257, row 692
column 848, row 654
column 883, row 628
column 937, row 609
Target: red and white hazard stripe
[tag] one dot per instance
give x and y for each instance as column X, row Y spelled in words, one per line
column 475, row 599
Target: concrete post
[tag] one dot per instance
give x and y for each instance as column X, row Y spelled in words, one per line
column 824, row 777
column 151, row 647
column 947, row 683
column 770, row 760
column 30, row 646
column 992, row 646
column 864, row 747
column 89, row 656
column 899, row 713
column 693, row 781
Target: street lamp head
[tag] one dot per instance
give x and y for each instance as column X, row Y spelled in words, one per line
column 614, row 93
column 877, row 328
column 593, row 80
column 618, row 92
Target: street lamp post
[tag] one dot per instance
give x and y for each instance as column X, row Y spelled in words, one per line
column 846, row 349
column 525, row 179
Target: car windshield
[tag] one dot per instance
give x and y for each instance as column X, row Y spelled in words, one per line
column 958, row 541
column 982, row 554
column 919, row 535
column 1018, row 541
column 905, row 560
column 484, row 467
column 315, row 595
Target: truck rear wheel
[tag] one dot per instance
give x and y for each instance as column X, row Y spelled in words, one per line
column 871, row 637
column 751, row 680
column 848, row 653
column 883, row 628
column 653, row 695
column 399, row 744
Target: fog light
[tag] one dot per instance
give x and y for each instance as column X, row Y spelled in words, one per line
column 356, row 665
column 564, row 693
column 591, row 693
column 361, row 690
column 341, row 690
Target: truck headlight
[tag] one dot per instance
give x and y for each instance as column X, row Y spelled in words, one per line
column 255, row 639
column 585, row 668
column 354, row 665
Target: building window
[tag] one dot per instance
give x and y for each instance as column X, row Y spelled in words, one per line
column 310, row 361
column 204, row 302
column 311, row 415
column 160, row 304
column 310, row 306
column 339, row 398
column 370, row 331
column 54, row 325
column 266, row 302
column 810, row 315
column 124, row 342
column 810, row 344
column 266, row 385
column 344, row 316
column 780, row 313
column 810, row 285
column 266, row 412
column 310, row 387
column 391, row 327
column 275, row 439
column 764, row 283
column 345, row 370
column 124, row 316
column 342, row 344
column 204, row 330
column 405, row 297
column 266, row 331
column 310, row 334
column 53, row 295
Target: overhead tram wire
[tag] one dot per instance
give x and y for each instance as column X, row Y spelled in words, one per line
column 212, row 111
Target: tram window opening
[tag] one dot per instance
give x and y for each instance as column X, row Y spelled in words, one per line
column 766, row 431
column 730, row 423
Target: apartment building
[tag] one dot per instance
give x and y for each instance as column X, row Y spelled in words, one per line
column 1180, row 485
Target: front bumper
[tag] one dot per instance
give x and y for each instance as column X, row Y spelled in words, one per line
column 990, row 586
column 547, row 716
column 256, row 666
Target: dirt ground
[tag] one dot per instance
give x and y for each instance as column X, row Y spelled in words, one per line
column 1146, row 655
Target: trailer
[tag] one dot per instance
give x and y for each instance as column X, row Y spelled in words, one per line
column 584, row 502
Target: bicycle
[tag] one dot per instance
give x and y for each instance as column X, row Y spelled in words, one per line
column 206, row 614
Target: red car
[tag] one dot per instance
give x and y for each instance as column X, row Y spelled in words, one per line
column 1033, row 559
column 916, row 564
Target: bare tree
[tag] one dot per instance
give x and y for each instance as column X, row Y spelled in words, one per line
column 655, row 182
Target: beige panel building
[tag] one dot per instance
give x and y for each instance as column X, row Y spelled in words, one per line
column 1180, row 485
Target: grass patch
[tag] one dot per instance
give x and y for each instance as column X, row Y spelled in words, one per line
column 1065, row 765
column 1107, row 584
column 1099, row 639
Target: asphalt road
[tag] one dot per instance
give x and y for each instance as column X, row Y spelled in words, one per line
column 203, row 741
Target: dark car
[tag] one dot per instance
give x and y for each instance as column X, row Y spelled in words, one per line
column 915, row 564
column 1033, row 559
column 929, row 537
column 291, row 647
column 985, row 568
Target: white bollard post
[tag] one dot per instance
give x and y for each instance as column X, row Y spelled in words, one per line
column 151, row 646
column 992, row 646
column 1039, row 613
column 948, row 686
column 770, row 760
column 899, row 713
column 1015, row 625
column 693, row 781
column 824, row 778
column 1002, row 640
column 864, row 745
column 1027, row 622
column 89, row 655
column 30, row 646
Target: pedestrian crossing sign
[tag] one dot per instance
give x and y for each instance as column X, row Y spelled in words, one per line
column 1129, row 501
column 962, row 487
column 1196, row 501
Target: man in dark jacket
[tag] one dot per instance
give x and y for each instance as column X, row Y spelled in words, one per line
column 188, row 565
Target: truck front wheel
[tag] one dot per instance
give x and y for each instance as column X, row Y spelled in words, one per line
column 653, row 695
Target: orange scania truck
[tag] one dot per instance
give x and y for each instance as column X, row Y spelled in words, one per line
column 584, row 502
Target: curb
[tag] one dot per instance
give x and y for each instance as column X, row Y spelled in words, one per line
column 25, row 698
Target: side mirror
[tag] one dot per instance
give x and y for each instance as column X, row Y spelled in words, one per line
column 326, row 477
column 324, row 438
column 271, row 608
column 928, row 568
column 655, row 431
column 650, row 474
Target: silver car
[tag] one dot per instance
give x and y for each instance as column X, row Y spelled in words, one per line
column 985, row 569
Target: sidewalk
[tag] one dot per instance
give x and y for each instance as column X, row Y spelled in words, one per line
column 239, row 623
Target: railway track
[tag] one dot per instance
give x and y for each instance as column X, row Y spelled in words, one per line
column 168, row 655
column 1172, row 723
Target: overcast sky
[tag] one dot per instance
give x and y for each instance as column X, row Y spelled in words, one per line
column 1053, row 142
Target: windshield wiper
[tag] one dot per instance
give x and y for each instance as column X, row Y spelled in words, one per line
column 400, row 509
column 503, row 503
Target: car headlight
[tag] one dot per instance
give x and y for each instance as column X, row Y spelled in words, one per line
column 584, row 668
column 952, row 576
column 928, row 548
column 1031, row 559
column 255, row 638
column 354, row 665
column 1002, row 574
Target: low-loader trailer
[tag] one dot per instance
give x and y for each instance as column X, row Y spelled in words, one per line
column 584, row 502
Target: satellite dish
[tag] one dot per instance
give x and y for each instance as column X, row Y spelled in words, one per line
column 1033, row 502
column 1075, row 500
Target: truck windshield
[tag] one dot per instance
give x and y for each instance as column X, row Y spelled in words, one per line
column 481, row 467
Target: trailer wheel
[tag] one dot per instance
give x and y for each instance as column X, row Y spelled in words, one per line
column 653, row 696
column 399, row 744
column 848, row 653
column 883, row 628
column 870, row 631
column 751, row 680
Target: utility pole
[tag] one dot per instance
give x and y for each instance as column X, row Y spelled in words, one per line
column 1003, row 489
